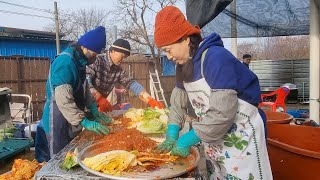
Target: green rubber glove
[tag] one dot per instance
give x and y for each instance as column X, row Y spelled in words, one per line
column 94, row 109
column 102, row 118
column 171, row 138
column 99, row 116
column 184, row 143
column 94, row 126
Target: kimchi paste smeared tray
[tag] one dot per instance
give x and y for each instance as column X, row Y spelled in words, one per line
column 126, row 149
column 123, row 138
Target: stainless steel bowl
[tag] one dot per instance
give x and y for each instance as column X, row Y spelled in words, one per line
column 169, row 170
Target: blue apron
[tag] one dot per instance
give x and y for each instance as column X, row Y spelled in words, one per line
column 61, row 131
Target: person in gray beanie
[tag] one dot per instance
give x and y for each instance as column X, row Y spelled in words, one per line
column 106, row 72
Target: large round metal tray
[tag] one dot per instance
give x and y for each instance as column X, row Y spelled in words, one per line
column 170, row 170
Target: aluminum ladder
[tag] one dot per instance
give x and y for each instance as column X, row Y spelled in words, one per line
column 156, row 88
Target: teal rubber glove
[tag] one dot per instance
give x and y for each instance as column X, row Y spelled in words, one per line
column 99, row 116
column 94, row 109
column 184, row 143
column 102, row 118
column 171, row 138
column 94, row 126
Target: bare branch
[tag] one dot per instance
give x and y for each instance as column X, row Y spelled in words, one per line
column 134, row 19
column 277, row 48
column 76, row 23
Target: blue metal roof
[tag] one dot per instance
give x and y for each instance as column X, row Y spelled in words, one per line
column 29, row 47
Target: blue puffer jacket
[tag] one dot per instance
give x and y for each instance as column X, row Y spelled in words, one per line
column 223, row 71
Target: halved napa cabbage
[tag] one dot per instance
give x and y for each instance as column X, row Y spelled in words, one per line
column 153, row 126
column 113, row 162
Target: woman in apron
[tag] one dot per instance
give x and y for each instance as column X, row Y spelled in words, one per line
column 224, row 95
column 68, row 95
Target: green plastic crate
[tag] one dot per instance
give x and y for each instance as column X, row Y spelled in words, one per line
column 11, row 147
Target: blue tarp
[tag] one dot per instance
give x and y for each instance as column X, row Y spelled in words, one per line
column 168, row 67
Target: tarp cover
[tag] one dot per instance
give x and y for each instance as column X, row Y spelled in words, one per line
column 254, row 18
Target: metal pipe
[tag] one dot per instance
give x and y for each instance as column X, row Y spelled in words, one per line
column 303, row 99
column 234, row 43
column 314, row 62
column 115, row 33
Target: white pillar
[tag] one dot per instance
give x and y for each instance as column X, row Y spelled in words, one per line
column 314, row 61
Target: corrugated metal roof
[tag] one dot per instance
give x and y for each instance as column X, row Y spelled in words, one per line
column 34, row 48
column 25, row 33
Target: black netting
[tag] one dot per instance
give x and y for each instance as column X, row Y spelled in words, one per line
column 254, row 18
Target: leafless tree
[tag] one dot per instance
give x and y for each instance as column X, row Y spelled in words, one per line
column 74, row 24
column 135, row 19
column 277, row 48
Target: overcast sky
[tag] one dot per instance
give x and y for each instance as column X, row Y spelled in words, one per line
column 39, row 23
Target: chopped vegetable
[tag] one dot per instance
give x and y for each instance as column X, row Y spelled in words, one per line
column 164, row 119
column 70, row 160
column 9, row 130
column 8, row 135
column 134, row 114
column 150, row 114
column 148, row 121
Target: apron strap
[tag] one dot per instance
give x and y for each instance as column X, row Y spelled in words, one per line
column 203, row 55
column 66, row 53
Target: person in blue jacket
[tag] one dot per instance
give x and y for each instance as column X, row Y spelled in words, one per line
column 68, row 95
column 224, row 95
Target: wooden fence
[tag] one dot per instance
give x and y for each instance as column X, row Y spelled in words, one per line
column 28, row 75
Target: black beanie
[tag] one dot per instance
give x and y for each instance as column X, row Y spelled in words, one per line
column 121, row 45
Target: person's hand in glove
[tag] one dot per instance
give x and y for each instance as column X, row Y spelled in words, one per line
column 94, row 126
column 99, row 116
column 154, row 103
column 144, row 96
column 184, row 143
column 103, row 104
column 171, row 138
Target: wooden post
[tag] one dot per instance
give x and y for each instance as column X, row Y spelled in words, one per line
column 56, row 20
column 147, row 76
column 19, row 73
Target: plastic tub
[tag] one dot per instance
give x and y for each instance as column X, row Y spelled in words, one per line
column 278, row 117
column 294, row 151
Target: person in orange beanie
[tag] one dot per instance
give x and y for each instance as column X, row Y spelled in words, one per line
column 224, row 95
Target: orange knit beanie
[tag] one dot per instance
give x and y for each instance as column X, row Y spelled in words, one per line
column 171, row 25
